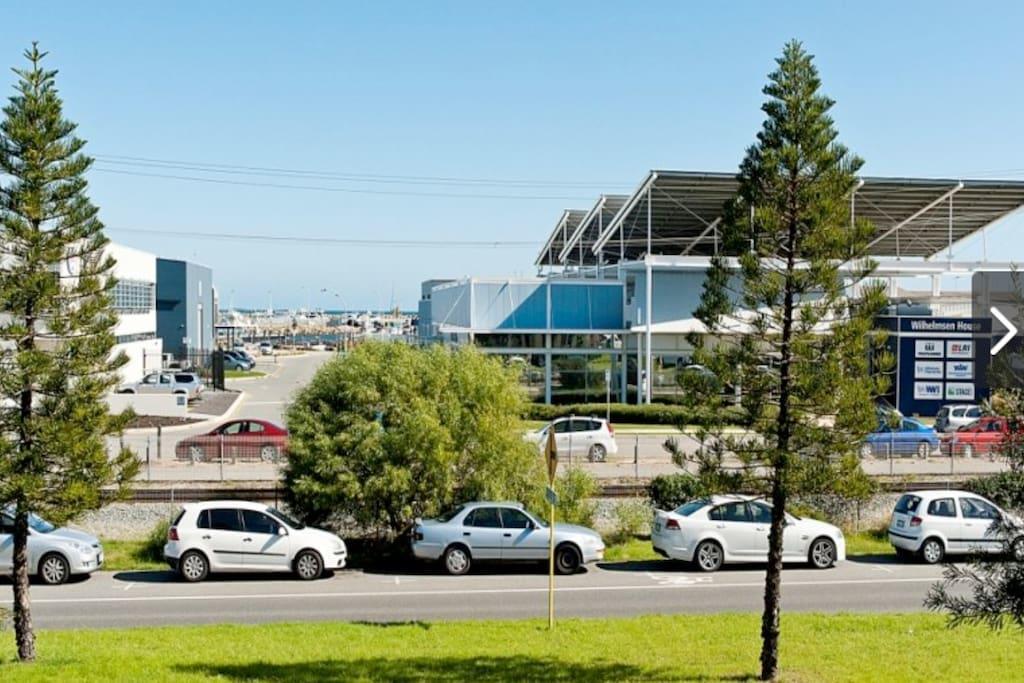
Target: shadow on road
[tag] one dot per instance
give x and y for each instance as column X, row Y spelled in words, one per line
column 445, row 669
column 879, row 558
column 168, row 576
column 479, row 568
column 670, row 566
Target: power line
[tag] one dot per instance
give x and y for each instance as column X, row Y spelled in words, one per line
column 344, row 175
column 345, row 190
column 338, row 241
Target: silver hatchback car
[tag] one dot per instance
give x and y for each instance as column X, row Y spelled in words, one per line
column 501, row 532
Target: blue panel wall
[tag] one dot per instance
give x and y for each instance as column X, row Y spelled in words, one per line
column 586, row 306
column 509, row 305
column 450, row 305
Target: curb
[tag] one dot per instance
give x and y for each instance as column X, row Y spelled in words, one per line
column 207, row 420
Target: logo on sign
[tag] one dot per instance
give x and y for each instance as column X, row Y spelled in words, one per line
column 959, row 349
column 928, row 391
column 959, row 391
column 960, row 369
column 928, row 348
column 928, row 369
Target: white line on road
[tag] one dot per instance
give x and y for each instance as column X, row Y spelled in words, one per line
column 477, row 591
column 265, row 403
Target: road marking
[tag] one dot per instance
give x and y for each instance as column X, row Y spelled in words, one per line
column 678, row 580
column 128, row 586
column 265, row 403
column 476, row 591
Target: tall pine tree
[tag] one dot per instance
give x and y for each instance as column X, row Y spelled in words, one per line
column 56, row 327
column 789, row 324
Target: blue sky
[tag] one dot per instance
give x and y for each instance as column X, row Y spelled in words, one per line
column 555, row 92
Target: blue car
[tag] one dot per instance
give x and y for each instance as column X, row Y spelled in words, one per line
column 907, row 437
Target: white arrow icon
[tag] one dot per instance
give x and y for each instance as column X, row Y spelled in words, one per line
column 1011, row 330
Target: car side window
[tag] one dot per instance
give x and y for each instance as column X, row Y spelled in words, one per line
column 6, row 525
column 582, row 425
column 975, row 508
column 484, row 517
column 150, row 379
column 233, row 428
column 995, row 426
column 225, row 519
column 255, row 428
column 203, row 521
column 165, row 379
column 514, row 519
column 562, row 427
column 730, row 512
column 761, row 514
column 973, row 412
column 258, row 523
column 942, row 507
column 958, row 412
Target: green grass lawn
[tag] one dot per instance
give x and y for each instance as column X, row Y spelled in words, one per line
column 119, row 556
column 653, row 648
column 242, row 374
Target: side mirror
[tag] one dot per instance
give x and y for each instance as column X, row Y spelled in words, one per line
column 282, row 531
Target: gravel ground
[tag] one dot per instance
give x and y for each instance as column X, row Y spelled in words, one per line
column 153, row 421
column 125, row 521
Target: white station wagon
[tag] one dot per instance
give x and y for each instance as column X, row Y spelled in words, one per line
column 710, row 532
column 238, row 536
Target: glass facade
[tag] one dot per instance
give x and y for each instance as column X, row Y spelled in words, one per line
column 134, row 296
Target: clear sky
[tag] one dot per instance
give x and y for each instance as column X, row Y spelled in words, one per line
column 577, row 98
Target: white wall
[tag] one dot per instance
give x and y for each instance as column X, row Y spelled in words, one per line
column 143, row 355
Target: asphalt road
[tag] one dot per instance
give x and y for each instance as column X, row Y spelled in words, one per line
column 608, row 589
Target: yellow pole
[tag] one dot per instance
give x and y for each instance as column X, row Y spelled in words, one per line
column 551, row 571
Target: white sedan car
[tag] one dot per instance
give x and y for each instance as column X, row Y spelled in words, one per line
column 712, row 531
column 54, row 554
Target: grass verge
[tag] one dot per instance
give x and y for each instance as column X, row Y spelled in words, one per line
column 243, row 374
column 815, row 647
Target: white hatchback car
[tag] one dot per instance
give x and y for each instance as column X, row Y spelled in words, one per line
column 238, row 536
column 933, row 524
column 713, row 531
column 590, row 437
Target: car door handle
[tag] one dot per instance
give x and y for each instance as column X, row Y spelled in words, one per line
column 760, row 528
column 719, row 526
column 206, row 538
column 465, row 533
column 508, row 535
column 246, row 540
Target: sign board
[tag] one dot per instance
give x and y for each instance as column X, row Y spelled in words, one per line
column 928, row 369
column 550, row 496
column 928, row 348
column 608, row 377
column 928, row 391
column 551, row 454
column 959, row 391
column 960, row 369
column 960, row 349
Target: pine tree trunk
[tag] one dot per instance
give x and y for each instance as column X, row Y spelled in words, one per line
column 23, row 632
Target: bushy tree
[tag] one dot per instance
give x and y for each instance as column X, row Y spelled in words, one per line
column 56, row 327
column 391, row 432
column 785, row 326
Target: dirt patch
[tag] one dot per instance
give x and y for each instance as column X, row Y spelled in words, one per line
column 153, row 421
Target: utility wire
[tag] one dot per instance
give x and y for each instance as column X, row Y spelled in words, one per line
column 299, row 239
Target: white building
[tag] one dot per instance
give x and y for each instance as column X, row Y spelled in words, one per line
column 135, row 303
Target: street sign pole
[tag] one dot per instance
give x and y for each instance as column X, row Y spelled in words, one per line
column 551, row 457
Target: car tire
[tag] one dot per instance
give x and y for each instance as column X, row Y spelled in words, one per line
column 967, row 451
column 457, row 560
column 597, row 453
column 268, row 452
column 923, row 449
column 308, row 565
column 932, row 551
column 708, row 557
column 866, row 450
column 54, row 569
column 193, row 566
column 567, row 559
column 1017, row 549
column 822, row 553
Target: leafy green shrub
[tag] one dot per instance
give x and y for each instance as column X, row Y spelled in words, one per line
column 576, row 488
column 632, row 518
column 669, row 491
column 1005, row 489
column 153, row 549
column 659, row 414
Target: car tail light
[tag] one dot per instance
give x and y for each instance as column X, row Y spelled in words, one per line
column 611, row 429
column 671, row 524
column 417, row 534
column 172, row 534
column 915, row 521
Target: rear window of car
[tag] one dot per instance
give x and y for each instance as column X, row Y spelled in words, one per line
column 450, row 515
column 942, row 507
column 184, row 377
column 908, row 503
column 177, row 518
column 687, row 509
column 943, row 412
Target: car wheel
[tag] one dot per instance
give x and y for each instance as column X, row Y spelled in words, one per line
column 195, row 453
column 54, row 569
column 456, row 560
column 708, row 556
column 193, row 567
column 1017, row 549
column 967, row 451
column 822, row 554
column 567, row 559
column 308, row 565
column 932, row 551
column 923, row 449
column 866, row 450
column 268, row 453
column 597, row 453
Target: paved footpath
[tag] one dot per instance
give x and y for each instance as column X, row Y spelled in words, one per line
column 143, row 598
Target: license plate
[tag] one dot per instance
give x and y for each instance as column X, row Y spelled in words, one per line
column 899, row 523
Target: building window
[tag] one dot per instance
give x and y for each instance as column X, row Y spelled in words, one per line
column 128, row 338
column 133, row 296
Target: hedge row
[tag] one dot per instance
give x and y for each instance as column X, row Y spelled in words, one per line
column 620, row 412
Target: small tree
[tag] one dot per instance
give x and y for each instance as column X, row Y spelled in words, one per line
column 391, row 432
column 786, row 328
column 56, row 327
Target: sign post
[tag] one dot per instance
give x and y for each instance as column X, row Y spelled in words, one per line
column 551, row 457
column 608, row 394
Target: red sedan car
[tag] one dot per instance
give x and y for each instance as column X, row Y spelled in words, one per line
column 236, row 440
column 981, row 437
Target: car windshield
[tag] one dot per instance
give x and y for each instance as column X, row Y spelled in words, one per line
column 687, row 509
column 450, row 515
column 39, row 524
column 274, row 512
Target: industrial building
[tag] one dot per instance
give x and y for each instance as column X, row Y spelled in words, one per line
column 612, row 303
column 185, row 309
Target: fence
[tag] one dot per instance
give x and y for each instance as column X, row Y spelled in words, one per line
column 164, row 456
